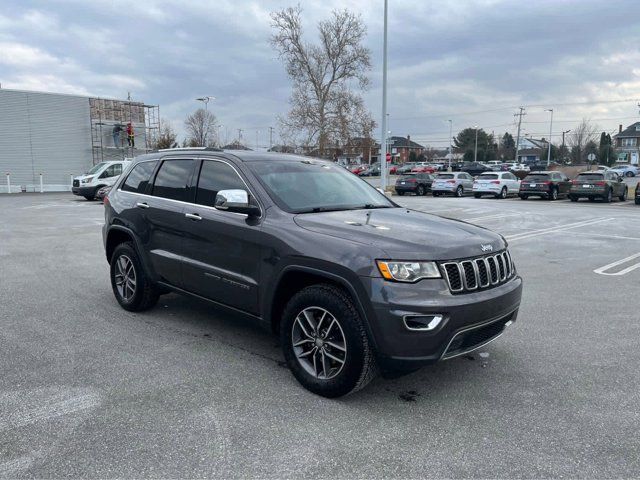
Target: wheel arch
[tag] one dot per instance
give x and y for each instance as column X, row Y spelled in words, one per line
column 294, row 278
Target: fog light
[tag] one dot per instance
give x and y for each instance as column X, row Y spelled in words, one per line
column 422, row 323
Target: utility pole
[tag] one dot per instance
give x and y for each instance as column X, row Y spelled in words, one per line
column 475, row 150
column 270, row 138
column 565, row 157
column 383, row 137
column 450, row 138
column 550, row 130
column 520, row 114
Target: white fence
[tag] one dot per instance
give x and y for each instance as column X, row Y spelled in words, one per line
column 42, row 186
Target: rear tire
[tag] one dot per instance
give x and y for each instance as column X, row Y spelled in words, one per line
column 524, row 197
column 321, row 322
column 554, row 194
column 592, row 199
column 503, row 193
column 629, row 174
column 637, row 201
column 435, row 194
column 133, row 290
column 609, row 197
column 573, row 198
column 88, row 197
column 420, row 191
column 623, row 197
column 477, row 195
column 400, row 193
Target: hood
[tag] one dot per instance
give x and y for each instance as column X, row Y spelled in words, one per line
column 405, row 234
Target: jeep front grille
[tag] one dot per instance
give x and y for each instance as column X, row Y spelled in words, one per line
column 478, row 273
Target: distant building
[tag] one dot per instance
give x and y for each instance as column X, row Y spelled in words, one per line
column 532, row 150
column 401, row 148
column 627, row 143
column 60, row 135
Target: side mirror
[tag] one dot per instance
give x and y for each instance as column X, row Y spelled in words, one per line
column 236, row 201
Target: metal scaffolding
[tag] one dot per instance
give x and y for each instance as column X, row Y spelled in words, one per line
column 107, row 116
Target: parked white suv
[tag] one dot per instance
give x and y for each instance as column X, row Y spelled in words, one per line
column 455, row 182
column 101, row 175
column 499, row 184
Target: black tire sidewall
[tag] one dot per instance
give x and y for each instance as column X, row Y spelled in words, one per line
column 459, row 191
column 141, row 279
column 554, row 194
column 420, row 191
column 348, row 318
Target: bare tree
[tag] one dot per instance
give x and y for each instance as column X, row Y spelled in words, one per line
column 200, row 127
column 323, row 103
column 166, row 137
column 584, row 133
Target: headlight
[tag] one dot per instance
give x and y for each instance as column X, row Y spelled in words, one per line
column 87, row 180
column 408, row 271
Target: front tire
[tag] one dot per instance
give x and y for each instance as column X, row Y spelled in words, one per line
column 133, row 290
column 325, row 343
column 629, row 174
column 459, row 191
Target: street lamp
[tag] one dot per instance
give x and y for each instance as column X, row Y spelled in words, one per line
column 475, row 150
column 205, row 100
column 550, row 130
column 383, row 163
column 450, row 137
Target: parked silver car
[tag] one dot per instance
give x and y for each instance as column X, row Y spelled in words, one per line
column 456, row 183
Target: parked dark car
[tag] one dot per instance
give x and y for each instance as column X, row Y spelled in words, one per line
column 352, row 282
column 102, row 192
column 418, row 183
column 475, row 168
column 550, row 185
column 598, row 184
column 405, row 168
column 637, row 195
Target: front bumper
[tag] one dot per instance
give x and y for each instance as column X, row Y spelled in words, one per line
column 84, row 191
column 402, row 349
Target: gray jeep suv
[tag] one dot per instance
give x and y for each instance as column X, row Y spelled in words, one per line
column 352, row 282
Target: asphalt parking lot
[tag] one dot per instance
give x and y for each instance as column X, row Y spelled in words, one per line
column 185, row 390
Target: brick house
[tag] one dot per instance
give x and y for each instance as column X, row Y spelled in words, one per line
column 401, row 148
column 627, row 143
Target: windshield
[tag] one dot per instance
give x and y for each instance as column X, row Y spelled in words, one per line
column 314, row 186
column 96, row 168
column 536, row 178
column 445, row 176
column 586, row 177
column 488, row 176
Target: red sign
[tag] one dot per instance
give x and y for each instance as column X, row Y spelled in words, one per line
column 388, row 157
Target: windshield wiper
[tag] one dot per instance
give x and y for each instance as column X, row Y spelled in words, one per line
column 371, row 206
column 324, row 209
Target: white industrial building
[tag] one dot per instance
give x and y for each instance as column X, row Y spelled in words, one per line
column 46, row 138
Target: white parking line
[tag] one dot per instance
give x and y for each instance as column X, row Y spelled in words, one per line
column 603, row 270
column 559, row 228
column 493, row 217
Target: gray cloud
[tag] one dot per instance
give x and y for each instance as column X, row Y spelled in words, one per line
column 446, row 59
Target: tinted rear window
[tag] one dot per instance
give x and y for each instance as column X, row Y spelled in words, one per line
column 488, row 176
column 408, row 177
column 139, row 177
column 587, row 177
column 172, row 179
column 445, row 176
column 536, row 178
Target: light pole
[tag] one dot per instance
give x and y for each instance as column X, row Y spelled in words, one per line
column 205, row 100
column 475, row 150
column 257, row 133
column 218, row 134
column 563, row 133
column 450, row 137
column 550, row 130
column 383, row 162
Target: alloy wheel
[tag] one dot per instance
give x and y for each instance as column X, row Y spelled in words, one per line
column 125, row 278
column 319, row 343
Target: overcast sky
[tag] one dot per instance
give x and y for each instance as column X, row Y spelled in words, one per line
column 469, row 61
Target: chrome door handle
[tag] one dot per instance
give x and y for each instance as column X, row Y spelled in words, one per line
column 193, row 216
column 142, row 205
